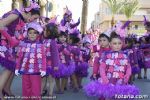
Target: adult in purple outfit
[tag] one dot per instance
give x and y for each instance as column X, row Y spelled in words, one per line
column 67, row 21
column 9, row 23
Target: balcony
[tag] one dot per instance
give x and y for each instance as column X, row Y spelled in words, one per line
column 135, row 18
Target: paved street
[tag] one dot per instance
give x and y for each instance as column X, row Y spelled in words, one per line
column 143, row 84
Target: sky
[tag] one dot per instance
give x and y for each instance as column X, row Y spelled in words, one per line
column 76, row 7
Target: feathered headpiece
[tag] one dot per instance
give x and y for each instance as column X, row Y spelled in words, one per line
column 54, row 20
column 75, row 33
column 146, row 22
column 86, row 39
column 36, row 26
column 120, row 29
column 67, row 11
column 108, row 32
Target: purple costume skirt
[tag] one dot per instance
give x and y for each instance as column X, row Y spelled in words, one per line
column 135, row 70
column 82, row 69
column 10, row 65
column 97, row 89
column 147, row 62
column 64, row 70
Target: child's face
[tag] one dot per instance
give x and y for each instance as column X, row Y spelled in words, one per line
column 69, row 40
column 87, row 45
column 116, row 44
column 104, row 42
column 143, row 40
column 45, row 33
column 137, row 44
column 32, row 34
column 62, row 39
column 80, row 44
column 31, row 18
column 68, row 18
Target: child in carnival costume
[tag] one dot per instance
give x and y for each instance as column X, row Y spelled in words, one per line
column 67, row 21
column 115, row 71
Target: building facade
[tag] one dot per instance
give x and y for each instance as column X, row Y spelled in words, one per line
column 105, row 17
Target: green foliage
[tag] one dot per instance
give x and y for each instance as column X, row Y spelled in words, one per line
column 130, row 7
column 114, row 5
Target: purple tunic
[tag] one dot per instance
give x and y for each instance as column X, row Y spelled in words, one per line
column 133, row 57
column 134, row 60
column 65, row 66
column 52, row 55
column 146, row 52
column 82, row 69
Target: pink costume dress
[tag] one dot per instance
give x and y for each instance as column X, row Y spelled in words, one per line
column 146, row 51
column 52, row 55
column 66, row 65
column 133, row 58
column 82, row 70
column 31, row 57
column 115, row 71
column 30, row 61
column 96, row 61
column 76, row 56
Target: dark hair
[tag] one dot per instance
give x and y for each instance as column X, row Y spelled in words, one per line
column 141, row 39
column 103, row 36
column 130, row 42
column 114, row 35
column 85, row 43
column 137, row 42
column 63, row 33
column 74, row 39
column 46, row 20
column 35, row 11
column 83, row 35
column 147, row 38
column 32, row 29
column 52, row 30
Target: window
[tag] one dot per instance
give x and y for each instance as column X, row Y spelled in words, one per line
column 136, row 27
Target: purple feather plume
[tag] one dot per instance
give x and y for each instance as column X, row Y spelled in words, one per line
column 82, row 69
column 126, row 24
column 145, row 20
column 135, row 70
column 63, row 70
column 96, row 89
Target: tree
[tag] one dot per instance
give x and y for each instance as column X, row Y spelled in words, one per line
column 129, row 8
column 115, row 6
column 84, row 16
column 14, row 4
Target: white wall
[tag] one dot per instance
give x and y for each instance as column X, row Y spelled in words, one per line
column 5, row 6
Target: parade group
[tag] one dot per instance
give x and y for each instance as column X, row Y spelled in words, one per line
column 44, row 51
